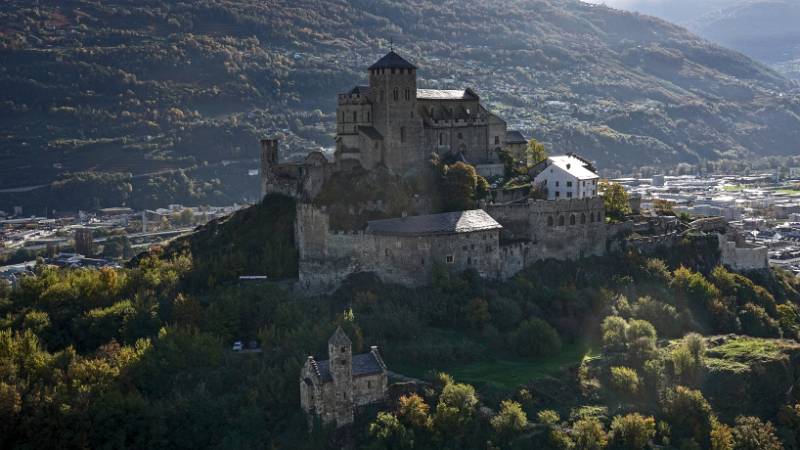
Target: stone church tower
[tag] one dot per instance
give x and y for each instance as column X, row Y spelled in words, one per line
column 340, row 354
column 393, row 91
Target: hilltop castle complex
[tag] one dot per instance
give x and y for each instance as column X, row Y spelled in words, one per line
column 391, row 127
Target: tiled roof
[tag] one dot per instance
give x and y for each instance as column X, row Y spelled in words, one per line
column 371, row 132
column 363, row 365
column 515, row 137
column 446, row 94
column 445, row 223
column 392, row 61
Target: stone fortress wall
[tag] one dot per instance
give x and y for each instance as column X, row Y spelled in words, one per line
column 328, row 257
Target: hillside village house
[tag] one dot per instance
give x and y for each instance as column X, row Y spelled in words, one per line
column 567, row 177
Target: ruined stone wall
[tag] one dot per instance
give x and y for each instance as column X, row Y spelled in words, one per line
column 742, row 257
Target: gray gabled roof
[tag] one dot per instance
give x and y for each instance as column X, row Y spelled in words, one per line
column 363, row 365
column 392, row 61
column 515, row 137
column 432, row 224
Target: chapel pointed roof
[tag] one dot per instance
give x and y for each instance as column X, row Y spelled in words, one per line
column 339, row 337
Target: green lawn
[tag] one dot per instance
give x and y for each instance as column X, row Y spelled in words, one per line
column 507, row 372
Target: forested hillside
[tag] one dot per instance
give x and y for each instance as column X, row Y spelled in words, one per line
column 617, row 352
column 142, row 86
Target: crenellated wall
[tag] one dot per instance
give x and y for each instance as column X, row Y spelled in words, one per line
column 561, row 229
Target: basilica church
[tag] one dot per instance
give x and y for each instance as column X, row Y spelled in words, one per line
column 393, row 123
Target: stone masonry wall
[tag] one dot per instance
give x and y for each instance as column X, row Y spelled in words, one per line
column 327, row 258
column 562, row 229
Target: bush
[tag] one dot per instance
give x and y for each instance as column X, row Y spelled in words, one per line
column 624, row 382
column 548, row 417
column 756, row 322
column 641, row 340
column 750, row 433
column 535, row 337
column 632, row 431
column 689, row 413
column 615, row 333
column 664, row 317
column 510, row 421
column 589, row 434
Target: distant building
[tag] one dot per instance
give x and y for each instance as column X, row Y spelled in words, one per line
column 84, row 241
column 334, row 388
column 567, row 177
column 658, row 180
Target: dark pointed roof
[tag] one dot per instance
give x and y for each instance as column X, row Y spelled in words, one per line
column 339, row 337
column 392, row 61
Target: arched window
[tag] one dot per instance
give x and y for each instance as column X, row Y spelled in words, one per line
column 441, row 139
column 583, row 218
column 396, row 94
column 561, row 221
column 550, row 221
column 572, row 219
column 408, row 94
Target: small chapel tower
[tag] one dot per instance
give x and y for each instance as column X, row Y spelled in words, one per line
column 340, row 355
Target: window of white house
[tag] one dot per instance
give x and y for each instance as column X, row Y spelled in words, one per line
column 569, row 194
column 496, row 140
column 558, row 193
column 557, row 183
column 449, row 259
column 569, row 183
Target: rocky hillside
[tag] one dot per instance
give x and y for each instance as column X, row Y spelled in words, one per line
column 143, row 86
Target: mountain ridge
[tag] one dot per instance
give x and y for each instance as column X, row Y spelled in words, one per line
column 115, row 86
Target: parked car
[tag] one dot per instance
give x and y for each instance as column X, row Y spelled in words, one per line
column 237, row 346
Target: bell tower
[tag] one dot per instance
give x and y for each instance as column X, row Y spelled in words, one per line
column 340, row 357
column 393, row 87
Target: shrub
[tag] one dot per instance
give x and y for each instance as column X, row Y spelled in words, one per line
column 624, row 381
column 615, row 333
column 756, row 322
column 664, row 317
column 510, row 421
column 413, row 411
column 632, row 431
column 535, row 337
column 721, row 436
column 750, row 433
column 641, row 340
column 548, row 417
column 689, row 413
column 589, row 434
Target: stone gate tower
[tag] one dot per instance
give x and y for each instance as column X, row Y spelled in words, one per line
column 340, row 354
column 393, row 87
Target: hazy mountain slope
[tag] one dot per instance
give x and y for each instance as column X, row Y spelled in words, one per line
column 766, row 30
column 145, row 85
